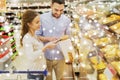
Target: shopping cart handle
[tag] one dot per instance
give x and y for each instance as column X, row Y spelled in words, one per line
column 43, row 72
column 1, row 72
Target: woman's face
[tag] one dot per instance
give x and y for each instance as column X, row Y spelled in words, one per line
column 35, row 24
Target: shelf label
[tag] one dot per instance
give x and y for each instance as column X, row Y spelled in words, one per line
column 109, row 72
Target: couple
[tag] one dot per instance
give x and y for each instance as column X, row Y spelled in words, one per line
column 46, row 28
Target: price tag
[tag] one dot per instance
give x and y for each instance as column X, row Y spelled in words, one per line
column 109, row 72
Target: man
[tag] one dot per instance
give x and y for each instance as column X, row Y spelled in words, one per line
column 54, row 25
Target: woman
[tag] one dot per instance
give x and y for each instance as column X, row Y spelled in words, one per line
column 32, row 46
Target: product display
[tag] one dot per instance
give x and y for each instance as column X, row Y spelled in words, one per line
column 96, row 39
column 7, row 44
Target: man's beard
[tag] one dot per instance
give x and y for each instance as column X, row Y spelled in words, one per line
column 56, row 16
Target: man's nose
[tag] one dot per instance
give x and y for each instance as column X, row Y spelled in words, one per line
column 58, row 12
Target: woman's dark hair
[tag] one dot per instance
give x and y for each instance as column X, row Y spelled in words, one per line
column 27, row 17
column 58, row 1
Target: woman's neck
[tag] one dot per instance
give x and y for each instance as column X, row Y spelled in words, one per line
column 32, row 32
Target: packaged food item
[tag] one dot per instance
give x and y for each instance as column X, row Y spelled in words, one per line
column 101, row 65
column 111, row 52
column 102, row 76
column 116, row 28
column 116, row 65
column 102, row 41
column 94, row 60
column 112, row 18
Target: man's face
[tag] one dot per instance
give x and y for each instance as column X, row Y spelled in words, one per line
column 57, row 9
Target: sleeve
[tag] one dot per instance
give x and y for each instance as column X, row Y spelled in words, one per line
column 67, row 31
column 29, row 50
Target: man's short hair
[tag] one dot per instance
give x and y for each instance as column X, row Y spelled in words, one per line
column 58, row 1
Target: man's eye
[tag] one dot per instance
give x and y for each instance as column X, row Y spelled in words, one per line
column 56, row 10
column 61, row 10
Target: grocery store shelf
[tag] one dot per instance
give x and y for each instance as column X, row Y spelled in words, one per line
column 5, row 40
column 4, row 54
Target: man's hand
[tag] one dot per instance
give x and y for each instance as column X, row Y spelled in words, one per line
column 64, row 37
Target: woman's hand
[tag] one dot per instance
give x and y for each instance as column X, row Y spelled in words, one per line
column 50, row 45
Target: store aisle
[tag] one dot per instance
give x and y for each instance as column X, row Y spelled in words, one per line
column 19, row 61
